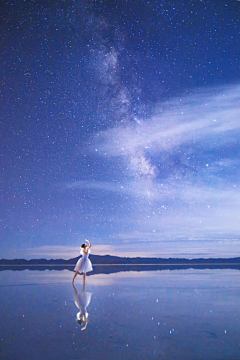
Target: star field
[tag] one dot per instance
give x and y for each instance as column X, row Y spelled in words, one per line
column 120, row 123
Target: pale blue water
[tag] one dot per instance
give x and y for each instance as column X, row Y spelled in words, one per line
column 181, row 314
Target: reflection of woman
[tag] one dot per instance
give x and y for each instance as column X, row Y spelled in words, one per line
column 82, row 300
column 83, row 265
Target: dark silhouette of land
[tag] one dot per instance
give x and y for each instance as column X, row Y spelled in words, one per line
column 109, row 264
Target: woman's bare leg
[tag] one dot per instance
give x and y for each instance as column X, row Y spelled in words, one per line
column 84, row 277
column 74, row 276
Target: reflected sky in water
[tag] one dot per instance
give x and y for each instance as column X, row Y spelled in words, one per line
column 182, row 314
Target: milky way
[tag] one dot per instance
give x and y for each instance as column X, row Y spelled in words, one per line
column 120, row 123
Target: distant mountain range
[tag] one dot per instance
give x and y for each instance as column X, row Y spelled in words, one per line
column 116, row 260
column 111, row 264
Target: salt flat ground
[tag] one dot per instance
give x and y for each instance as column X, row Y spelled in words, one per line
column 180, row 314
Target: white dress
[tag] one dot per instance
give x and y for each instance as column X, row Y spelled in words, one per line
column 83, row 265
column 82, row 300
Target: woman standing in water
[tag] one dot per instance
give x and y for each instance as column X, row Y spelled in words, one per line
column 83, row 265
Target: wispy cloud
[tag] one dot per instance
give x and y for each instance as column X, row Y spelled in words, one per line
column 65, row 251
column 180, row 168
column 98, row 185
column 187, row 119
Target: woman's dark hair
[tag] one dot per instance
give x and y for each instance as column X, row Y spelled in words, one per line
column 83, row 246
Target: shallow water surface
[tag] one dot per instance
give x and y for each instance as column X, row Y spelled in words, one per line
column 180, row 314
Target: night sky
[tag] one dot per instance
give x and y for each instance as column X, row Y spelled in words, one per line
column 120, row 123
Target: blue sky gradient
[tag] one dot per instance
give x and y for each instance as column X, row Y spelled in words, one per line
column 120, row 124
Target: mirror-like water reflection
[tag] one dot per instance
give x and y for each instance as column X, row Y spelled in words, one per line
column 182, row 314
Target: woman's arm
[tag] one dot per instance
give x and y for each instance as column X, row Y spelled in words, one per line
column 89, row 243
